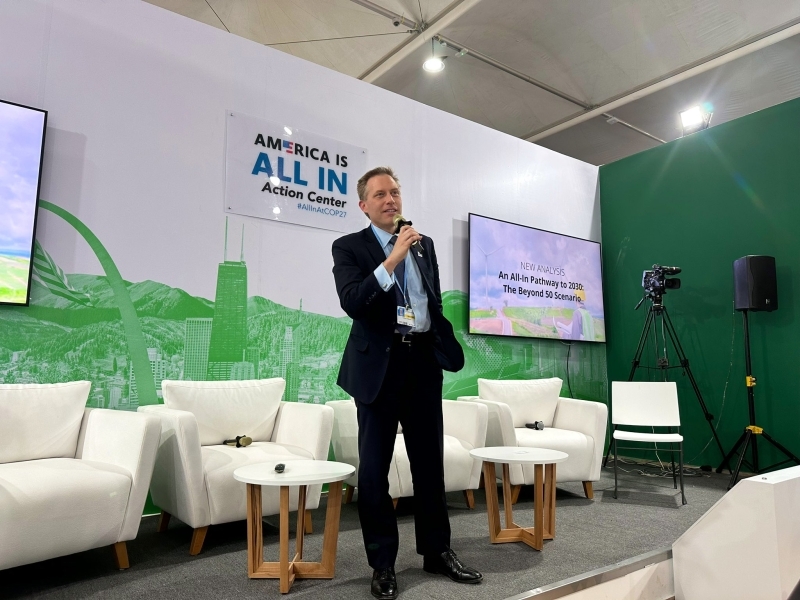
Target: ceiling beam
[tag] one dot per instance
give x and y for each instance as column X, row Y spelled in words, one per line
column 397, row 19
column 767, row 38
column 416, row 38
column 464, row 51
column 505, row 68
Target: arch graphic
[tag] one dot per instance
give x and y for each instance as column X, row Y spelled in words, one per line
column 145, row 383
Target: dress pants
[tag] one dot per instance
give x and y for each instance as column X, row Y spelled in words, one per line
column 411, row 394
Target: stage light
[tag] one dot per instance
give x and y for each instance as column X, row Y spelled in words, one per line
column 692, row 117
column 276, row 210
column 287, row 130
column 274, row 180
column 695, row 119
column 434, row 64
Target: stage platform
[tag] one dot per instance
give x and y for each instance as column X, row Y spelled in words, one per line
column 590, row 536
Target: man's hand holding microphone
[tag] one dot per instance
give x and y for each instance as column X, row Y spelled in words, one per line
column 407, row 236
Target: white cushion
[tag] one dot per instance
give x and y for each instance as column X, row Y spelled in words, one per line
column 457, row 465
column 578, row 446
column 226, row 496
column 528, row 399
column 59, row 506
column 41, row 420
column 638, row 436
column 225, row 409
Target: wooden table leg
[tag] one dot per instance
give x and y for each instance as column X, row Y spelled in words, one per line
column 301, row 522
column 550, row 501
column 508, row 501
column 544, row 510
column 330, row 537
column 284, row 540
column 538, row 507
column 287, row 570
column 492, row 504
column 255, row 537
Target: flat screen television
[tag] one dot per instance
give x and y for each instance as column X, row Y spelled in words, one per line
column 22, row 130
column 527, row 282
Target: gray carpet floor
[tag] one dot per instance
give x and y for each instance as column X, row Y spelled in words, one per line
column 589, row 534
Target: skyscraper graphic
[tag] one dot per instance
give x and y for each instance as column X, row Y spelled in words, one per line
column 242, row 370
column 229, row 324
column 159, row 368
column 289, row 368
column 196, row 342
column 253, row 355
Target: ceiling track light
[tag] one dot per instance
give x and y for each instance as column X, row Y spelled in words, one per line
column 434, row 64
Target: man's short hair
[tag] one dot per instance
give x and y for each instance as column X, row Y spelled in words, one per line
column 361, row 187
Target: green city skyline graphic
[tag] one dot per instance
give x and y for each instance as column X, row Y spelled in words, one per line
column 63, row 337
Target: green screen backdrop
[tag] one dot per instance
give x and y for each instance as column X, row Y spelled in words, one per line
column 699, row 203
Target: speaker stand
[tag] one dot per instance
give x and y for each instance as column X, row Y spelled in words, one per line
column 752, row 432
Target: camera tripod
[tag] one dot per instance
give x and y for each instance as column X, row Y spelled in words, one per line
column 752, row 430
column 657, row 314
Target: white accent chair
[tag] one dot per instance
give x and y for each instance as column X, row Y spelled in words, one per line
column 71, row 478
column 464, row 429
column 577, row 427
column 193, row 477
column 647, row 404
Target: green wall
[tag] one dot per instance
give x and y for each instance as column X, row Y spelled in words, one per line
column 700, row 203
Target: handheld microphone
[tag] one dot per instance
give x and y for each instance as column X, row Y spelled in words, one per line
column 535, row 425
column 240, row 441
column 399, row 223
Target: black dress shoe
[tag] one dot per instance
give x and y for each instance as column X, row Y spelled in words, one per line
column 384, row 584
column 447, row 563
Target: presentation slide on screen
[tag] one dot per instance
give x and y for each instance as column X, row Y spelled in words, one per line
column 526, row 282
column 21, row 136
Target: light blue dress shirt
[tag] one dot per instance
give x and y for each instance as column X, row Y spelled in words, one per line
column 415, row 293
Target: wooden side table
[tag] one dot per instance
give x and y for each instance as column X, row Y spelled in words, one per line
column 300, row 473
column 544, row 493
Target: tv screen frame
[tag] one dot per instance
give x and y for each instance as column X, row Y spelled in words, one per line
column 36, row 201
column 530, row 337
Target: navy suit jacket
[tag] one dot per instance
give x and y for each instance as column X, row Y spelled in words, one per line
column 374, row 313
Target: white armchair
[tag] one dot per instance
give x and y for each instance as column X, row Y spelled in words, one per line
column 193, row 476
column 464, row 429
column 71, row 478
column 577, row 427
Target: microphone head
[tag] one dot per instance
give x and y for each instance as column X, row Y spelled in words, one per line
column 399, row 220
column 245, row 440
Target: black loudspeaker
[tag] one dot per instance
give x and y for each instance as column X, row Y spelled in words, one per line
column 755, row 286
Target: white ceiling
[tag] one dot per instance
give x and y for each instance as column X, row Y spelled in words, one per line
column 592, row 50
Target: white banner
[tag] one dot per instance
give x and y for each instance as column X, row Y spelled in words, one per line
column 285, row 174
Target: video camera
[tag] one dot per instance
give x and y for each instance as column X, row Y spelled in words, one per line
column 656, row 284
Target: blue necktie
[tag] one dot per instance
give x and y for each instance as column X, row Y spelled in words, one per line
column 399, row 280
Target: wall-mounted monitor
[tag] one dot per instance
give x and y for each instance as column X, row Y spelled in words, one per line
column 526, row 282
column 22, row 130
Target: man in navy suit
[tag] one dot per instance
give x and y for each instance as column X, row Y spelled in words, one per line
column 392, row 365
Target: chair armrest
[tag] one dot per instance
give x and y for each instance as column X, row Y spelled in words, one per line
column 589, row 418
column 500, row 424
column 344, row 438
column 466, row 421
column 178, row 485
column 124, row 439
column 307, row 426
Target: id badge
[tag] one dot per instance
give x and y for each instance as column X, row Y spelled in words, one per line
column 405, row 316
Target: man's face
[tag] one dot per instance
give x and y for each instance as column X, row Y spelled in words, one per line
column 382, row 202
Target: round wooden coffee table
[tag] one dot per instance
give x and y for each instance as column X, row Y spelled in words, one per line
column 544, row 493
column 298, row 473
